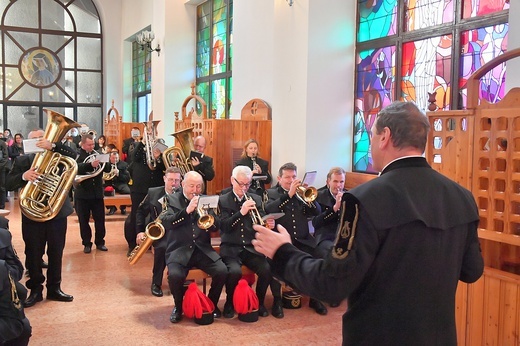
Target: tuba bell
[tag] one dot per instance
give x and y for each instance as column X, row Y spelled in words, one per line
column 180, row 156
column 42, row 199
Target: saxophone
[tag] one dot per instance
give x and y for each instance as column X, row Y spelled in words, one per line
column 42, row 199
column 153, row 231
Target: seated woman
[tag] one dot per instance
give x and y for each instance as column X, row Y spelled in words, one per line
column 260, row 167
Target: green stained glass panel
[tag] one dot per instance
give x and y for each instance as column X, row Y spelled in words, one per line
column 218, row 98
column 203, row 91
column 377, row 19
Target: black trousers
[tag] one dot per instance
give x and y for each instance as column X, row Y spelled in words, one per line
column 257, row 264
column 177, row 275
column 36, row 235
column 130, row 228
column 84, row 207
column 159, row 260
column 3, row 191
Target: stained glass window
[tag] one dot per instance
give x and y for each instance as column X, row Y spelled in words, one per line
column 141, row 82
column 415, row 61
column 214, row 53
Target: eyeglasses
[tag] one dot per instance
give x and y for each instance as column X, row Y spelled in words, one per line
column 241, row 184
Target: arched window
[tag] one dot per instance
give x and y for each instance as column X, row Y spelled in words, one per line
column 421, row 51
column 52, row 58
column 214, row 56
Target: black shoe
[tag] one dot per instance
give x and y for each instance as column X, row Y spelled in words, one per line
column 318, row 306
column 112, row 211
column 277, row 310
column 176, row 315
column 123, row 211
column 35, row 297
column 45, row 264
column 156, row 290
column 229, row 312
column 59, row 295
column 217, row 313
column 334, row 304
column 87, row 249
column 101, row 247
column 262, row 311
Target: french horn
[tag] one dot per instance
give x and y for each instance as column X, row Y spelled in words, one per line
column 42, row 199
column 82, row 177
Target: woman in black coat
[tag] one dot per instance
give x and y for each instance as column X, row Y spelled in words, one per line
column 260, row 167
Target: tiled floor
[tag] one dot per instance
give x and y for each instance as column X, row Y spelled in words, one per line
column 113, row 304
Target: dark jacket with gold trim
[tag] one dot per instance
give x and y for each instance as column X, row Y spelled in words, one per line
column 297, row 214
column 326, row 223
column 264, row 165
column 407, row 238
column 185, row 235
column 236, row 230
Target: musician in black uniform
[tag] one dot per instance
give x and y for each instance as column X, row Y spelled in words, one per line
column 237, row 211
column 405, row 240
column 36, row 234
column 4, row 161
column 15, row 328
column 88, row 197
column 204, row 165
column 283, row 198
column 148, row 211
column 143, row 178
column 129, row 144
column 121, row 179
column 190, row 246
column 260, row 167
column 326, row 224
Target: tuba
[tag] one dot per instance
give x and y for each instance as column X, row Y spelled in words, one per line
column 180, row 157
column 42, row 199
column 82, row 177
column 153, row 231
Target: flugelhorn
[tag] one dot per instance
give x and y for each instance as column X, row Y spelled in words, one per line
column 254, row 213
column 42, row 199
column 153, row 231
column 307, row 194
column 206, row 220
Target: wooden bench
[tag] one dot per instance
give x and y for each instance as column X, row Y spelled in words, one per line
column 118, row 200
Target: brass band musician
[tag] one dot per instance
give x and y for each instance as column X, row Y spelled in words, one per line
column 259, row 166
column 152, row 206
column 37, row 235
column 117, row 170
column 238, row 213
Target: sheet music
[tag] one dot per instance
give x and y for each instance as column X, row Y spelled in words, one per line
column 309, row 178
column 208, row 202
column 29, row 146
column 103, row 158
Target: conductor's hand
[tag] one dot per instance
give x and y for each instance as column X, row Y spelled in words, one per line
column 31, row 175
column 268, row 242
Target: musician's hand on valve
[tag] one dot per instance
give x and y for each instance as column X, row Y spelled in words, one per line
column 257, row 169
column 95, row 163
column 116, row 171
column 31, row 174
column 267, row 241
column 156, row 153
column 247, row 206
column 193, row 205
column 270, row 223
column 294, row 186
column 140, row 238
column 337, row 205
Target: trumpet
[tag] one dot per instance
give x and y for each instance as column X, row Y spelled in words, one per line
column 255, row 214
